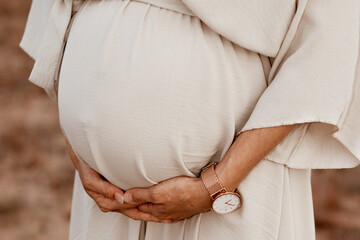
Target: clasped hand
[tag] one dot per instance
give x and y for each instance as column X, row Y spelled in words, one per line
column 172, row 200
column 169, row 201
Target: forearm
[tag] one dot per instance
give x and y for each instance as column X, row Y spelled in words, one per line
column 249, row 148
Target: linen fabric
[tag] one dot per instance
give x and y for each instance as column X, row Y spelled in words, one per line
column 154, row 89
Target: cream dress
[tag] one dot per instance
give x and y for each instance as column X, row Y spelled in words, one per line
column 154, row 89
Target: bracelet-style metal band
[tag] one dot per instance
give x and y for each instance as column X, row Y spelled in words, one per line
column 211, row 181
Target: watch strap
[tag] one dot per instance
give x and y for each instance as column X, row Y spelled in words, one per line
column 211, row 181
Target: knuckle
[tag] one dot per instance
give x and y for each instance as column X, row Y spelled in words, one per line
column 108, row 193
column 162, row 211
column 131, row 215
column 167, row 197
column 103, row 209
column 95, row 197
column 135, row 217
column 156, row 220
column 106, row 205
column 87, row 190
column 109, row 208
column 156, row 196
column 87, row 183
column 162, row 216
column 99, row 202
column 118, row 211
column 91, row 194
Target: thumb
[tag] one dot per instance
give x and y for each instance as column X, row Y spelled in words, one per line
column 137, row 196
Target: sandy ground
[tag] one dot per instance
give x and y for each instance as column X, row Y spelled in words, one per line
column 36, row 175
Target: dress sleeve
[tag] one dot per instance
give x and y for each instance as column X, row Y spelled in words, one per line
column 34, row 32
column 317, row 86
column 43, row 40
column 35, row 26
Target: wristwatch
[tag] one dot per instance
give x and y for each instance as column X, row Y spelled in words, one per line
column 223, row 201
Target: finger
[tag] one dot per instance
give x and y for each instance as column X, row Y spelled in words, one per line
column 156, row 210
column 138, row 196
column 149, row 208
column 104, row 209
column 96, row 183
column 109, row 190
column 109, row 204
column 136, row 214
column 119, row 197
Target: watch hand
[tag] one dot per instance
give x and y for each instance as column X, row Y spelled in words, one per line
column 229, row 203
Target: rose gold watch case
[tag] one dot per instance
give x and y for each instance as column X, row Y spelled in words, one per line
column 236, row 193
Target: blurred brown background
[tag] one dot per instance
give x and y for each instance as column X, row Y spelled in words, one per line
column 36, row 174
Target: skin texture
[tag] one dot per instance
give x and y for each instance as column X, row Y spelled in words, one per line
column 181, row 197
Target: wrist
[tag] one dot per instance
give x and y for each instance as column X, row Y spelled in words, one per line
column 203, row 194
column 226, row 178
column 235, row 165
column 223, row 200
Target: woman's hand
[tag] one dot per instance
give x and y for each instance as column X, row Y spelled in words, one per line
column 181, row 197
column 172, row 200
column 107, row 196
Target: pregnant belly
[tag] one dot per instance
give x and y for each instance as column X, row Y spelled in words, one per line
column 146, row 94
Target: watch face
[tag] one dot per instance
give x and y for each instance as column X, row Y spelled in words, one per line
column 226, row 203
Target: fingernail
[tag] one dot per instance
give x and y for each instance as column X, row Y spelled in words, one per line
column 119, row 198
column 128, row 198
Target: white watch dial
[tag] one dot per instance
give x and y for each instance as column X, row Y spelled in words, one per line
column 226, row 203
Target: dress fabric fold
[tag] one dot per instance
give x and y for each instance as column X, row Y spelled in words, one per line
column 153, row 89
column 317, row 86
